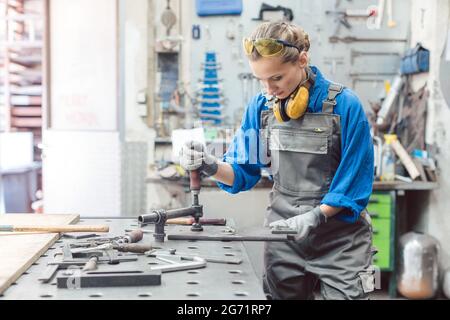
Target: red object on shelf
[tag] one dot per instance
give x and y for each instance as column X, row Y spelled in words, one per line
column 26, row 111
column 26, row 122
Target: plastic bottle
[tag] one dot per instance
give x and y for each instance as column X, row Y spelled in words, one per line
column 388, row 159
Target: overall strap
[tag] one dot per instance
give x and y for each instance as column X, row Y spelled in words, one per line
column 333, row 91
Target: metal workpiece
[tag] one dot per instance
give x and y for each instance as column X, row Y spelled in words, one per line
column 215, row 281
column 161, row 215
column 225, row 238
column 159, row 218
column 187, row 256
column 81, row 262
column 230, row 234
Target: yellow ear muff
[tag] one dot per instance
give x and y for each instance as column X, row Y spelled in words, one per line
column 276, row 111
column 298, row 104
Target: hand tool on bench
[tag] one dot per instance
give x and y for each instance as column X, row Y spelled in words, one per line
column 80, row 262
column 51, row 269
column 185, row 256
column 54, row 229
column 76, row 279
column 80, row 236
column 127, row 247
column 92, row 255
column 132, row 237
column 65, row 260
column 124, row 243
column 179, row 265
column 91, row 264
column 160, row 217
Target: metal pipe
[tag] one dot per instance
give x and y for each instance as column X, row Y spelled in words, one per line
column 390, row 100
column 157, row 216
column 274, row 238
column 183, row 212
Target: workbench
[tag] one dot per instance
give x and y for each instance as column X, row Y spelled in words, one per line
column 394, row 207
column 216, row 281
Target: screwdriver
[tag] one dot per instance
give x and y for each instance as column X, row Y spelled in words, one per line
column 132, row 237
column 128, row 243
column 134, row 247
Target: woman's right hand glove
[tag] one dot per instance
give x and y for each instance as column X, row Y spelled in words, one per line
column 193, row 156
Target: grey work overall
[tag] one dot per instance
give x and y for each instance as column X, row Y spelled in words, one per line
column 305, row 155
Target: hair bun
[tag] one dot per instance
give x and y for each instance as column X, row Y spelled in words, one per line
column 307, row 43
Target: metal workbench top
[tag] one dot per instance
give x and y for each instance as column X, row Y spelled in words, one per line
column 266, row 183
column 216, row 281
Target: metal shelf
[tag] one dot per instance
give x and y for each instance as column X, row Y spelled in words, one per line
column 21, row 53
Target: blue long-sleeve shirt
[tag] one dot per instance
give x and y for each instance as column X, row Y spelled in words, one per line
column 352, row 184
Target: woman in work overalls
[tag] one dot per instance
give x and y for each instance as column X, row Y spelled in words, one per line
column 314, row 138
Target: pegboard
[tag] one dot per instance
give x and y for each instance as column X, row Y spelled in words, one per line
column 223, row 34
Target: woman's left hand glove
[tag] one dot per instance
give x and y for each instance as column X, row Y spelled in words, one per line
column 302, row 223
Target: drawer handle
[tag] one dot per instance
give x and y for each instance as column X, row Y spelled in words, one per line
column 374, row 200
column 374, row 214
column 375, row 259
column 375, row 231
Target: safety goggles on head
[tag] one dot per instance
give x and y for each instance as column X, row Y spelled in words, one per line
column 266, row 47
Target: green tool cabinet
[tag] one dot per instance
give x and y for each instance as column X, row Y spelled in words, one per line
column 381, row 209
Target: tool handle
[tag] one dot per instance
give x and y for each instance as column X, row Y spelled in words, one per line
column 195, row 180
column 91, row 264
column 134, row 248
column 55, row 229
column 135, row 236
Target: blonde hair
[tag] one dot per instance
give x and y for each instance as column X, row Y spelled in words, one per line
column 285, row 31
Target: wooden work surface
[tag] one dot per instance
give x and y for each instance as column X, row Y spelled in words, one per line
column 18, row 251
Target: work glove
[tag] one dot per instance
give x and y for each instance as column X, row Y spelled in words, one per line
column 302, row 223
column 193, row 156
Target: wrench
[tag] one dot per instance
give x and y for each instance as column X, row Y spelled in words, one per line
column 334, row 39
column 354, row 54
column 196, row 263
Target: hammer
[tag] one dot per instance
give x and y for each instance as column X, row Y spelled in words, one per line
column 195, row 186
column 54, row 229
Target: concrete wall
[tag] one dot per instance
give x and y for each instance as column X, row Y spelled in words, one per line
column 429, row 24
